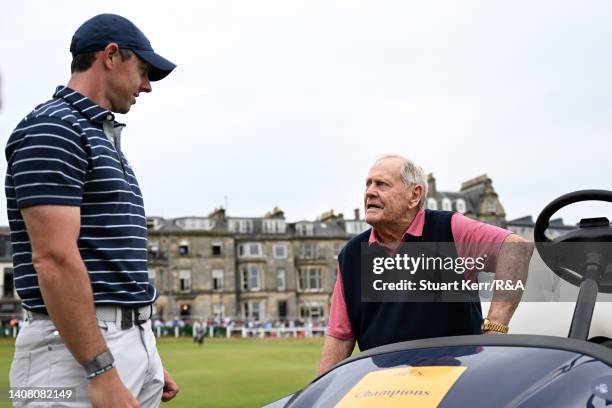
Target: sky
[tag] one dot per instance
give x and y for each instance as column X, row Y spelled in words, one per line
column 287, row 103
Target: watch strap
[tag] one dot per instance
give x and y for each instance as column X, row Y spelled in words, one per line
column 488, row 325
column 99, row 364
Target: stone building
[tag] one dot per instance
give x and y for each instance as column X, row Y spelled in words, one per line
column 259, row 268
column 476, row 199
column 192, row 264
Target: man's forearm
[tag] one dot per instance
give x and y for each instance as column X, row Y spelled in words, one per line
column 334, row 351
column 512, row 265
column 68, row 297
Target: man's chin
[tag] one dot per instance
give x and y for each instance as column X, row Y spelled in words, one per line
column 123, row 110
column 372, row 219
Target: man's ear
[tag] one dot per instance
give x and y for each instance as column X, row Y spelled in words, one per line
column 109, row 55
column 415, row 195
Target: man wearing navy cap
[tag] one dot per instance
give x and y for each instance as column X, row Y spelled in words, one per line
column 79, row 233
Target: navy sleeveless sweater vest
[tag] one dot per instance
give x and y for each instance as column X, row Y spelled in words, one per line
column 378, row 323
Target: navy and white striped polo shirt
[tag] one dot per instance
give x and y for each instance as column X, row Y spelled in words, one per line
column 60, row 155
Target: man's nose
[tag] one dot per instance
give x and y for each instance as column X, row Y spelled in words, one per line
column 145, row 85
column 371, row 191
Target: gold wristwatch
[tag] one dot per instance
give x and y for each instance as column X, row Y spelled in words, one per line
column 488, row 325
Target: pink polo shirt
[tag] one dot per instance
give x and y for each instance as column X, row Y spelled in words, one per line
column 469, row 235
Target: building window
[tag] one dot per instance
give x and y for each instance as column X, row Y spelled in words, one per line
column 256, row 306
column 152, row 277
column 184, row 248
column 492, row 207
column 8, row 288
column 159, row 282
column 154, row 223
column 6, row 247
column 280, row 251
column 280, row 279
column 254, row 278
column 282, row 309
column 311, row 310
column 304, row 229
column 251, row 278
column 185, row 281
column 447, row 205
column 243, row 226
column 251, row 310
column 217, row 275
column 185, row 311
column 251, row 249
column 308, row 250
column 432, row 204
column 274, row 226
column 336, row 249
column 153, row 248
column 218, row 311
column 195, row 223
column 217, row 248
column 255, row 250
column 310, row 279
column 460, row 204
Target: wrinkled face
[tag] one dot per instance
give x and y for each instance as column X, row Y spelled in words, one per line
column 128, row 79
column 387, row 199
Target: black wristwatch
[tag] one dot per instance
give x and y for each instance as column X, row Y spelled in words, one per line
column 99, row 364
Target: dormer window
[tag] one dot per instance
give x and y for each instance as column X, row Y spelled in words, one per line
column 304, row 229
column 274, row 226
column 460, row 204
column 447, row 205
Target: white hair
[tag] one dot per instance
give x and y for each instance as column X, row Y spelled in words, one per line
column 411, row 174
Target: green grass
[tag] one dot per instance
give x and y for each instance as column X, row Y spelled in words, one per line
column 226, row 372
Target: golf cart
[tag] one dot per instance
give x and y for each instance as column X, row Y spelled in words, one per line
column 494, row 371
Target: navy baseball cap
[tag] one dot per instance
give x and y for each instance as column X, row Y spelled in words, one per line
column 99, row 31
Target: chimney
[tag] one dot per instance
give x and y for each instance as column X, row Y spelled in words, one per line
column 218, row 214
column 482, row 179
column 357, row 215
column 327, row 216
column 275, row 213
column 431, row 185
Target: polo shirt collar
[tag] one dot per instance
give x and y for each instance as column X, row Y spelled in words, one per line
column 415, row 229
column 83, row 104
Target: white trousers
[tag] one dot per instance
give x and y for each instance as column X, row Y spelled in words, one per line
column 43, row 360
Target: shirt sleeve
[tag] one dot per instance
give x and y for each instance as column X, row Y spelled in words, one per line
column 339, row 325
column 475, row 239
column 47, row 163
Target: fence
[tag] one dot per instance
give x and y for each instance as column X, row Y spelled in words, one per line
column 218, row 331
column 243, row 331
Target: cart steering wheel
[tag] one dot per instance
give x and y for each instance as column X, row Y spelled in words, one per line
column 592, row 236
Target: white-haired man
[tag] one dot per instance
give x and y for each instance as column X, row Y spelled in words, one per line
column 395, row 193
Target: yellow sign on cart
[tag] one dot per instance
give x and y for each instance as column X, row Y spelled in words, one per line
column 419, row 387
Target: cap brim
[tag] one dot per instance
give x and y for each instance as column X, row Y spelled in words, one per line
column 160, row 67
